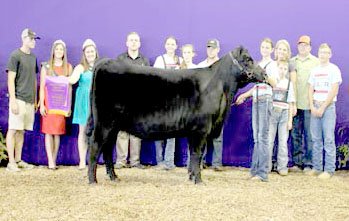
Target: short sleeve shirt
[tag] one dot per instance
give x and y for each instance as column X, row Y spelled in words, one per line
column 25, row 66
column 304, row 67
column 322, row 78
column 139, row 60
column 265, row 89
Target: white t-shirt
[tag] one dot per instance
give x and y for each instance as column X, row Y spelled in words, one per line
column 282, row 86
column 204, row 64
column 272, row 71
column 170, row 63
column 322, row 78
column 192, row 66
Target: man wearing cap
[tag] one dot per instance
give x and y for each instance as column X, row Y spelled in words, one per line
column 22, row 69
column 133, row 43
column 305, row 62
column 212, row 49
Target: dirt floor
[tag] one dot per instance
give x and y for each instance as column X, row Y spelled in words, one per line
column 152, row 194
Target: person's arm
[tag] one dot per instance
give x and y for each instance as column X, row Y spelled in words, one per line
column 159, row 63
column 43, row 74
column 293, row 78
column 311, row 100
column 70, row 70
column 242, row 97
column 290, row 116
column 75, row 76
column 12, row 91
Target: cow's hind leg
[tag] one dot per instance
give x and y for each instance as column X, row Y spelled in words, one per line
column 94, row 155
column 108, row 155
column 196, row 143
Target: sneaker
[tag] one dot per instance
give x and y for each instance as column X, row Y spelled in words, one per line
column 258, row 178
column 283, row 172
column 24, row 165
column 119, row 166
column 218, row 168
column 295, row 169
column 306, row 169
column 168, row 167
column 312, row 172
column 325, row 176
column 12, row 167
column 138, row 165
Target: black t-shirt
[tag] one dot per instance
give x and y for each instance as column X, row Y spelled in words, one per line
column 25, row 66
column 140, row 60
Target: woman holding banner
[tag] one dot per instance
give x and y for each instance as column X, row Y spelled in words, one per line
column 83, row 73
column 54, row 99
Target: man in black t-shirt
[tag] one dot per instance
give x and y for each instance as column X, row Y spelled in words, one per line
column 22, row 69
column 124, row 139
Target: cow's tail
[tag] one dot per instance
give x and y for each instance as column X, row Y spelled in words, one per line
column 92, row 119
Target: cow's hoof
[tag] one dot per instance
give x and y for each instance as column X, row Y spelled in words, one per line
column 93, row 182
column 198, row 181
column 191, row 177
column 115, row 179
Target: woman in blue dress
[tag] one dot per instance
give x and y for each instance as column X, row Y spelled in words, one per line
column 83, row 74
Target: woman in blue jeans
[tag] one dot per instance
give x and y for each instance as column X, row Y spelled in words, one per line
column 261, row 107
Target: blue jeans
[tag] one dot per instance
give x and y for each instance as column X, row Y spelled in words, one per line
column 217, row 150
column 322, row 132
column 168, row 159
column 278, row 123
column 260, row 125
column 302, row 152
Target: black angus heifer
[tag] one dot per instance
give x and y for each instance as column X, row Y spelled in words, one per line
column 153, row 103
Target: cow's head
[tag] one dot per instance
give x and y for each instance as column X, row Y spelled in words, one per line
column 249, row 71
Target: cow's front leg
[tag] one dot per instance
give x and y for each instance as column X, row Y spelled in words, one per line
column 195, row 159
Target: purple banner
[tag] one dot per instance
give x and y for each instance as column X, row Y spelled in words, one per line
column 58, row 96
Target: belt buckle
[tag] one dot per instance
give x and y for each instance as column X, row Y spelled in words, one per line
column 277, row 109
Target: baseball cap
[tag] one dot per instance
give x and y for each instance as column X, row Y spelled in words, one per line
column 59, row 41
column 29, row 33
column 88, row 42
column 304, row 39
column 213, row 43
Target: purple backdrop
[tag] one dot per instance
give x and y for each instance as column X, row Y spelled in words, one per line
column 232, row 22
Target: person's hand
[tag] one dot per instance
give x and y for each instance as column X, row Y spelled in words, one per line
column 321, row 111
column 14, row 107
column 43, row 110
column 241, row 99
column 294, row 112
column 289, row 125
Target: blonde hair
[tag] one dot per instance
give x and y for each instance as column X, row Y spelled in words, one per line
column 83, row 60
column 133, row 33
column 325, row 45
column 284, row 42
column 268, row 40
column 64, row 59
column 183, row 64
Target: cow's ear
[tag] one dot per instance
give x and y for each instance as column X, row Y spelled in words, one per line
column 237, row 52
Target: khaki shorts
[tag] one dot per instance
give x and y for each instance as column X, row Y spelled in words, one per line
column 24, row 120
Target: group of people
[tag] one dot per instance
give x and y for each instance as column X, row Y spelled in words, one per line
column 22, row 68
column 300, row 95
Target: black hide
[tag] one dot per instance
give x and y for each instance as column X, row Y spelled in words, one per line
column 153, row 103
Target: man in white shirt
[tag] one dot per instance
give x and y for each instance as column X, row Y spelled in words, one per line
column 324, row 81
column 212, row 48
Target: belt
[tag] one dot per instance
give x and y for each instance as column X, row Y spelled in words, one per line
column 319, row 103
column 278, row 109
